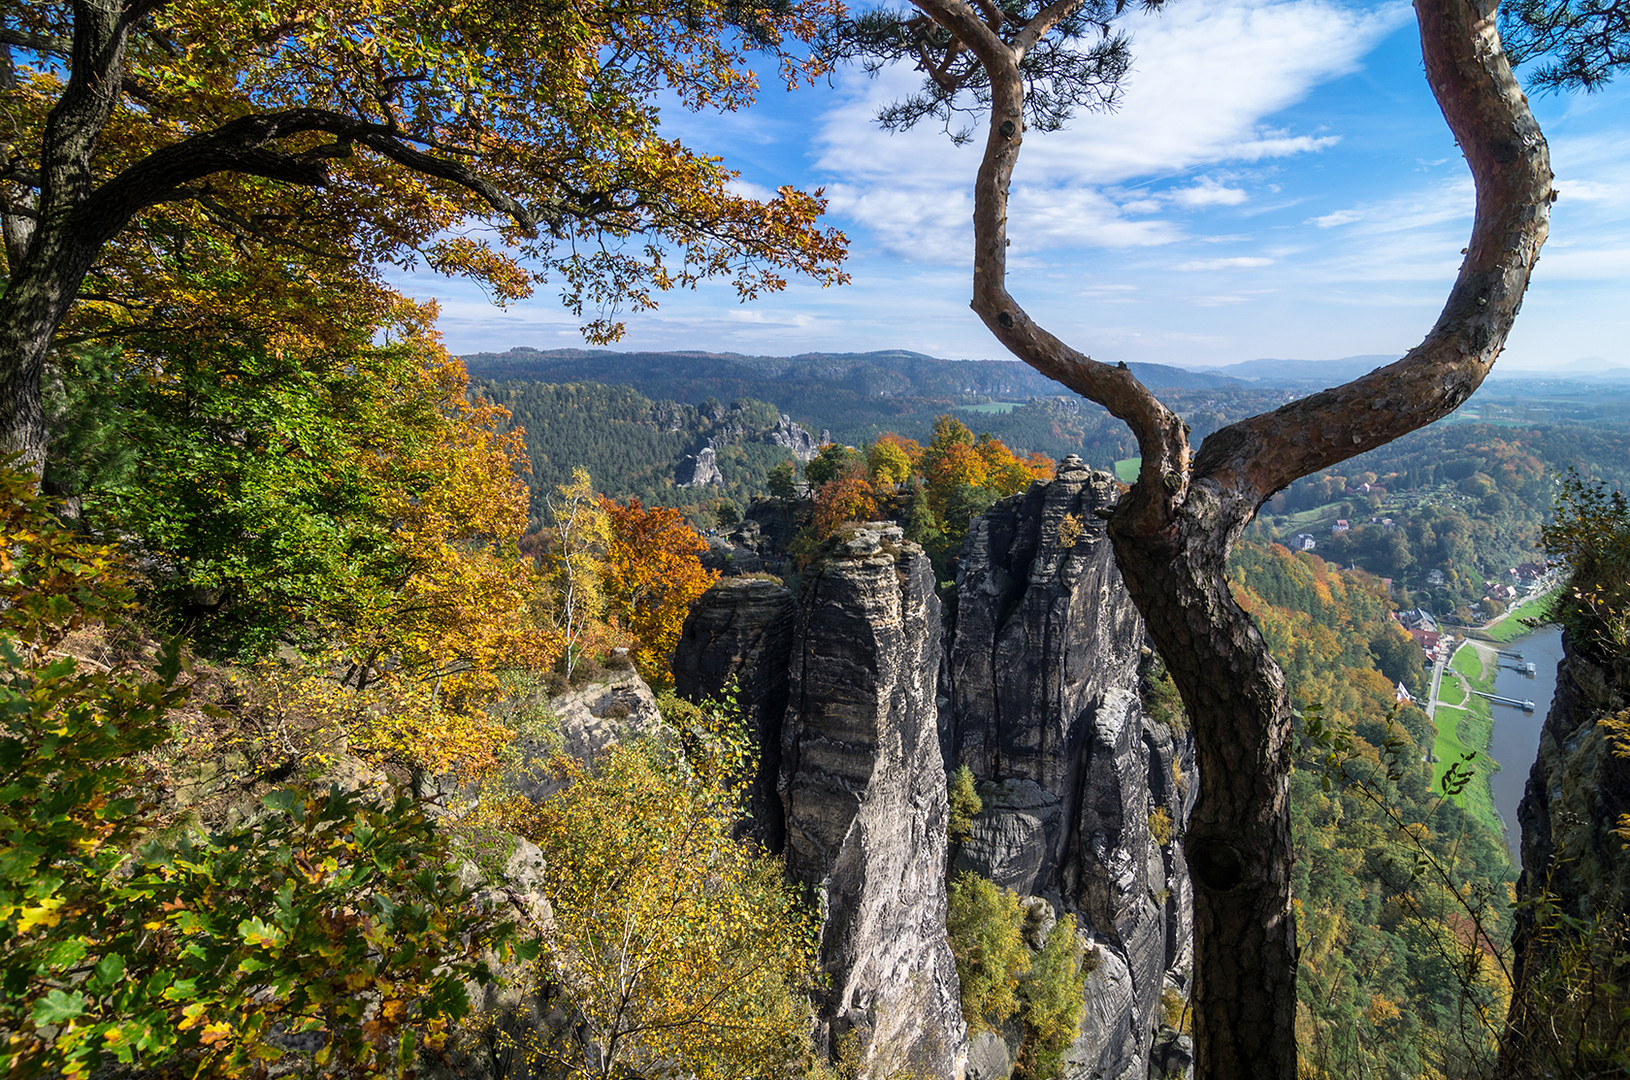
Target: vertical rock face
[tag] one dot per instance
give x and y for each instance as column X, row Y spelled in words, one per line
column 699, row 468
column 741, row 630
column 1082, row 802
column 1084, row 795
column 863, row 787
column 790, row 434
column 1577, row 791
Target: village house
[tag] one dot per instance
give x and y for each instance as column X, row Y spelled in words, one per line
column 1427, row 640
column 1416, row 619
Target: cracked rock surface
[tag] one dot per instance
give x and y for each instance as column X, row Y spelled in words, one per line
column 1041, row 702
column 864, row 793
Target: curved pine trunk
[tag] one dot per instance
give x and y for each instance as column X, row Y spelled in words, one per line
column 1238, row 841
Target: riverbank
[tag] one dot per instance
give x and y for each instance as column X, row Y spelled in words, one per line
column 1465, row 726
column 1514, row 623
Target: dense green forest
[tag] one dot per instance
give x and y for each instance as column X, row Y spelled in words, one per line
column 633, row 446
column 1401, row 896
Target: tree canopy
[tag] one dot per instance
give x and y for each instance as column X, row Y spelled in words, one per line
column 1579, row 45
column 174, row 165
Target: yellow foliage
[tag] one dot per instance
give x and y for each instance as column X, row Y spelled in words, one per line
column 1381, row 1009
column 396, row 722
column 1160, row 825
column 888, row 461
column 679, row 950
column 1069, row 530
column 577, row 537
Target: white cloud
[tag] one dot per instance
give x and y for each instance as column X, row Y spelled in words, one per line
column 1339, row 217
column 1242, row 262
column 1221, row 299
column 749, row 190
column 1041, row 217
column 916, row 222
column 1205, row 79
column 1588, row 191
column 1208, row 192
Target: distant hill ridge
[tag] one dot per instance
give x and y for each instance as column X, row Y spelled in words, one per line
column 694, row 376
column 1323, row 373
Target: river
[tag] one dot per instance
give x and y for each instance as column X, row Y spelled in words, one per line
column 1516, row 734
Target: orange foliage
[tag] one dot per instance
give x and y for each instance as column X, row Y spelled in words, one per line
column 848, row 498
column 652, row 575
column 1006, row 472
column 1040, row 465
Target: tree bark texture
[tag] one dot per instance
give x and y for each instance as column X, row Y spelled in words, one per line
column 1238, row 839
column 1173, row 531
column 45, row 278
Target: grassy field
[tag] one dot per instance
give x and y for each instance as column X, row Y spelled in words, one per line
column 1467, row 728
column 990, row 407
column 1512, row 625
column 1126, row 469
column 1317, row 520
column 1469, row 662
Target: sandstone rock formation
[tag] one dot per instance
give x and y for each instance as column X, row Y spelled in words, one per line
column 581, row 724
column 863, row 787
column 790, row 434
column 1082, row 804
column 699, row 468
column 1084, row 795
column 740, row 632
column 1578, row 789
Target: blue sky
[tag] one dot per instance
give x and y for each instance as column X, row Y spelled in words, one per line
column 1277, row 182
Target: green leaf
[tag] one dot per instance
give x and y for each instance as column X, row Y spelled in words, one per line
column 284, row 800
column 58, row 1008
column 108, row 971
column 404, row 1052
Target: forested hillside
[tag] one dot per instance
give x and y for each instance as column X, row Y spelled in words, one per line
column 1447, row 511
column 1402, row 899
column 855, row 397
column 634, row 446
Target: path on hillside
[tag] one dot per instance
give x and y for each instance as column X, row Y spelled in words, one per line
column 1439, row 663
